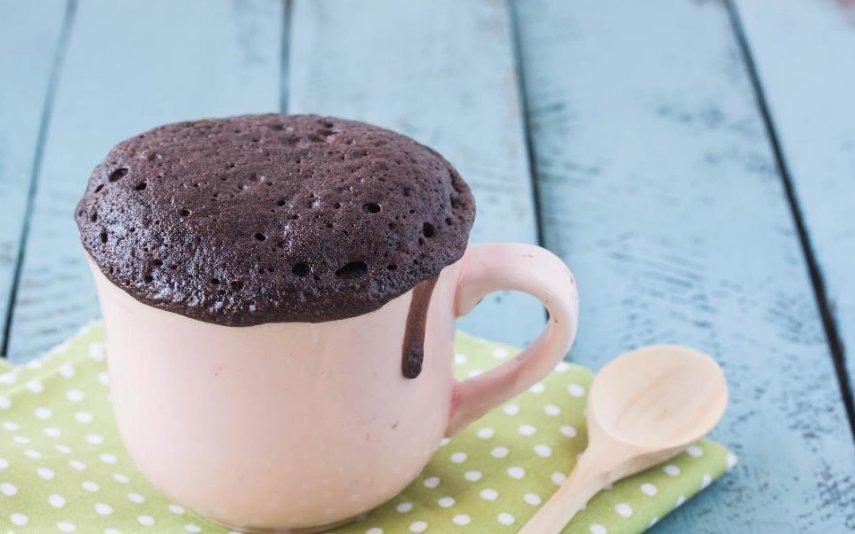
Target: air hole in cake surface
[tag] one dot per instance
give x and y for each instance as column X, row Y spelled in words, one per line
column 428, row 230
column 261, row 237
column 215, row 281
column 118, row 174
column 237, row 285
column 103, row 237
column 337, row 205
column 99, row 188
column 184, row 212
column 93, row 217
column 392, row 267
column 371, row 207
column 148, row 279
column 300, row 269
column 353, row 269
column 140, row 186
column 281, row 202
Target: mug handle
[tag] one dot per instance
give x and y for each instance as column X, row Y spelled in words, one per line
column 533, row 270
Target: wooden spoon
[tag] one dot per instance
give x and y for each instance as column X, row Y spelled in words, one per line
column 644, row 407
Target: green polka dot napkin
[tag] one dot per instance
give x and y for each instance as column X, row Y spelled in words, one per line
column 63, row 468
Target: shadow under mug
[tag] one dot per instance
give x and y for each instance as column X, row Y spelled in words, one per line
column 304, row 425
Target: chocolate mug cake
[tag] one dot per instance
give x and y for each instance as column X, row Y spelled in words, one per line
column 279, row 294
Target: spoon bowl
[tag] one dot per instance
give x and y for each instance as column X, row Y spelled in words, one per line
column 661, row 396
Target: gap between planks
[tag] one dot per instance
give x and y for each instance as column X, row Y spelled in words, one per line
column 829, row 324
column 44, row 121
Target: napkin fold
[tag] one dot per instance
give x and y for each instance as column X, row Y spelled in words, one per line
column 63, row 467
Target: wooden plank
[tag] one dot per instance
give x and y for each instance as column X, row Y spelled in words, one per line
column 131, row 66
column 32, row 30
column 658, row 185
column 809, row 82
column 443, row 73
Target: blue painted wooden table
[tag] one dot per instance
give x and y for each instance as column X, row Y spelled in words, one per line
column 694, row 162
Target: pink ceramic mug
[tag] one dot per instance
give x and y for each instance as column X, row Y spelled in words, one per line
column 299, row 425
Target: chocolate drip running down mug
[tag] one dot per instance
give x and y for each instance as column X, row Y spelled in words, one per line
column 279, row 294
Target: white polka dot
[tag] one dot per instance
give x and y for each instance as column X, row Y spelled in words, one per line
column 66, row 370
column 576, row 390
column 52, row 432
column 597, row 528
column 460, row 359
column 83, row 417
column 551, row 409
column 489, row 494
column 123, row 479
column 706, row 481
column 77, row 464
column 505, row 518
column 190, row 527
column 568, row 431
column 446, row 502
column 75, row 395
column 57, row 501
column 486, row 433
column 11, row 426
column 526, row 430
column 499, row 452
column 695, row 451
column 32, row 454
column 511, row 409
column 623, row 509
column 418, row 526
column 472, row 476
column 88, row 485
column 95, row 439
column 537, row 388
column 671, row 470
column 431, row 482
column 19, row 519
column 731, row 460
column 5, row 403
column 103, row 509
column 461, row 520
column 35, row 386
column 458, row 457
column 444, row 441
column 64, row 449
column 474, row 372
column 557, row 478
column 174, row 508
column 103, row 378
column 136, row 498
column 145, row 520
column 500, row 353
column 65, row 526
column 21, row 440
column 45, row 473
column 544, row 451
column 4, row 463
column 680, row 500
column 8, row 378
column 8, row 489
column 649, row 489
column 112, row 531
column 404, row 507
column 96, row 351
column 42, row 413
column 516, row 472
column 108, row 458
column 532, row 499
column 562, row 367
column 374, row 530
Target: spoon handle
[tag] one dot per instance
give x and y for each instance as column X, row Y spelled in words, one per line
column 584, row 482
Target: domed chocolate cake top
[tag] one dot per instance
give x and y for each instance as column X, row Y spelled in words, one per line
column 269, row 218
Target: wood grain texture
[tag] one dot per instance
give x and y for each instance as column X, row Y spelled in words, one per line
column 32, row 30
column 442, row 72
column 809, row 84
column 658, row 184
column 131, row 66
